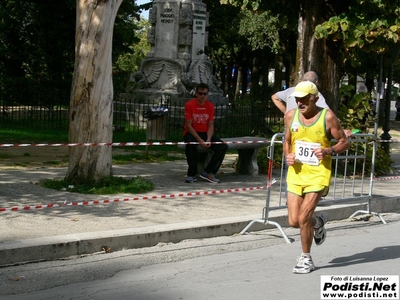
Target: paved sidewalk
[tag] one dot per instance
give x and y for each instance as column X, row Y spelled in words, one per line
column 37, row 234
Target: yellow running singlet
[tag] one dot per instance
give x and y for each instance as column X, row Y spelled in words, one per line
column 307, row 169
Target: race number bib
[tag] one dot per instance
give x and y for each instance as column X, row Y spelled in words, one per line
column 304, row 153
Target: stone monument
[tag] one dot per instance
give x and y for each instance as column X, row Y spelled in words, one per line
column 176, row 62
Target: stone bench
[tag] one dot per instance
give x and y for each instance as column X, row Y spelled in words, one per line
column 247, row 147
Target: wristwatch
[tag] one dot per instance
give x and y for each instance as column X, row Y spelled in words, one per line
column 332, row 151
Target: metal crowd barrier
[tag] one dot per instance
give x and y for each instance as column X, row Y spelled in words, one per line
column 349, row 182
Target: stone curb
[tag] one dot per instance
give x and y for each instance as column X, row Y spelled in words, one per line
column 49, row 248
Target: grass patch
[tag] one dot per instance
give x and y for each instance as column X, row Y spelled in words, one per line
column 17, row 135
column 31, row 134
column 26, row 134
column 138, row 154
column 108, row 185
column 5, row 155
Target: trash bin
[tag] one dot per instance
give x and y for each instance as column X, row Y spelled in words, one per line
column 156, row 123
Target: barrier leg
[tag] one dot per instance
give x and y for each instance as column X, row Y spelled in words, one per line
column 265, row 220
column 262, row 221
column 368, row 213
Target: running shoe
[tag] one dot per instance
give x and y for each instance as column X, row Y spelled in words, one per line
column 191, row 179
column 304, row 265
column 320, row 233
column 209, row 177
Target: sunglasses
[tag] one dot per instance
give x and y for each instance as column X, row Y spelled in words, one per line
column 202, row 93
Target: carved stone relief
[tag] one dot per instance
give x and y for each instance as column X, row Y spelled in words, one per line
column 185, row 37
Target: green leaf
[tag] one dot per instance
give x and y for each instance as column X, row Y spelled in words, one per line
column 344, row 25
column 255, row 5
column 352, row 42
column 358, row 33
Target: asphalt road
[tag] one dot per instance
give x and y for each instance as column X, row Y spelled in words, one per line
column 257, row 265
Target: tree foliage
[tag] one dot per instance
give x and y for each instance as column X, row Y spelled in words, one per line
column 129, row 61
column 261, row 30
column 244, row 4
column 34, row 40
column 37, row 48
column 359, row 29
column 366, row 26
column 226, row 49
column 36, row 51
column 254, row 40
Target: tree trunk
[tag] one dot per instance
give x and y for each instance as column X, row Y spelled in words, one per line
column 92, row 91
column 243, row 84
column 278, row 75
column 315, row 55
column 238, row 84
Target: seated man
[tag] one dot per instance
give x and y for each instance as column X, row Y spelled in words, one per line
column 199, row 127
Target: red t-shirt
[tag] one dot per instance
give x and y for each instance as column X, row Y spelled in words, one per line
column 199, row 114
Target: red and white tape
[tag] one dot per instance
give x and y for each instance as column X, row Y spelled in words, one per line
column 386, row 178
column 121, row 200
column 148, row 143
column 387, row 141
column 130, row 144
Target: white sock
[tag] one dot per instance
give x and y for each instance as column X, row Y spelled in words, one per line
column 317, row 223
column 308, row 255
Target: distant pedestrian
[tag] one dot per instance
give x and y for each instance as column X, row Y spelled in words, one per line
column 309, row 130
column 397, row 109
column 199, row 127
column 285, row 102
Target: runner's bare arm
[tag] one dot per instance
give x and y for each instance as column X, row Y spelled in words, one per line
column 336, row 132
column 287, row 142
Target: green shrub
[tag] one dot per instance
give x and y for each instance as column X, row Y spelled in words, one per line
column 108, row 185
column 357, row 112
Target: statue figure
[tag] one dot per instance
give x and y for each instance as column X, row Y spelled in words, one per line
column 176, row 62
column 139, row 80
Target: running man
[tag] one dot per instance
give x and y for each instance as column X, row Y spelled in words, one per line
column 308, row 151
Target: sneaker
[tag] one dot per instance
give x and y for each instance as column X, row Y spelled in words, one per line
column 304, row 265
column 209, row 177
column 191, row 179
column 320, row 233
